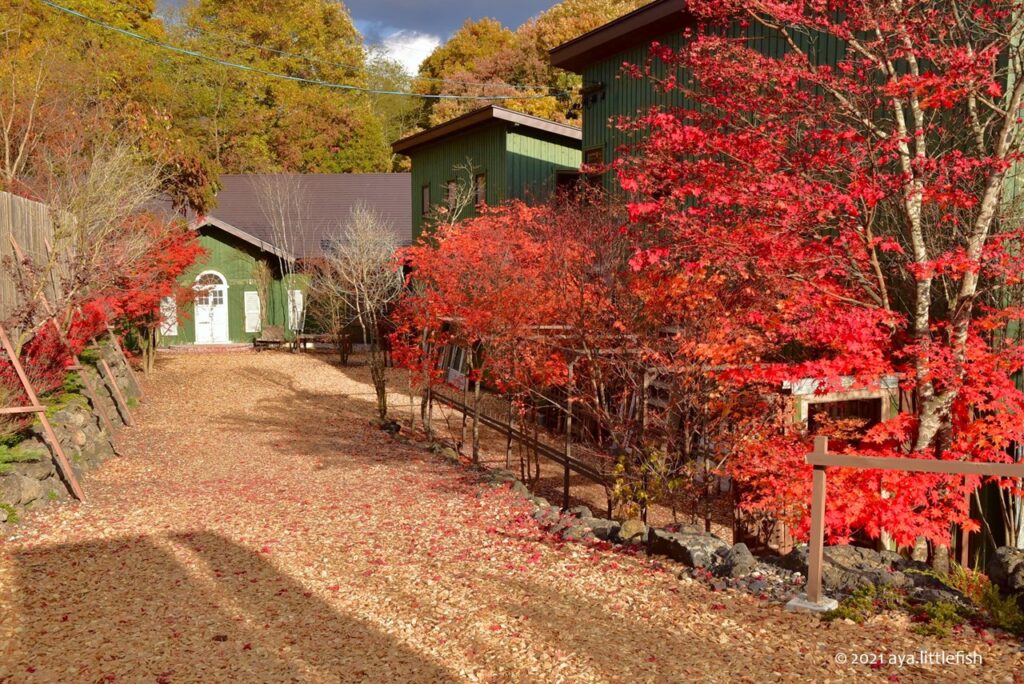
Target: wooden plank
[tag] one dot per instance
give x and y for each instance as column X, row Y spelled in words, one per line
column 17, row 410
column 127, row 364
column 917, row 465
column 115, row 391
column 545, row 450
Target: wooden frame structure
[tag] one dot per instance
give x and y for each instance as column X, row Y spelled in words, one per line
column 36, row 407
column 90, row 390
column 821, row 460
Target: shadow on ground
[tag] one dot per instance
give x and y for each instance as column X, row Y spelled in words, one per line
column 223, row 614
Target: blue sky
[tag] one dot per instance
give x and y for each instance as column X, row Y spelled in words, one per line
column 410, row 29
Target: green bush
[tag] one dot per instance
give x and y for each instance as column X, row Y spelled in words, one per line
column 11, row 513
column 10, row 455
column 938, row 618
column 1003, row 611
column 866, row 602
column 1000, row 611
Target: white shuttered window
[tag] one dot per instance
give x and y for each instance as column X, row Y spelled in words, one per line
column 253, row 312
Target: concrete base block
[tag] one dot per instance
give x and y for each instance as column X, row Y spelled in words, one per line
column 800, row 604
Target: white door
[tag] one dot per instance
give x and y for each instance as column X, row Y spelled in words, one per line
column 211, row 309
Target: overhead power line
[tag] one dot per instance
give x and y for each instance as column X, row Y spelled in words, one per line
column 272, row 74
column 339, row 65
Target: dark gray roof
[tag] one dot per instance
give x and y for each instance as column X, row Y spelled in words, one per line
column 326, row 202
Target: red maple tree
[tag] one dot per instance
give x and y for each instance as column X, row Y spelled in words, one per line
column 854, row 214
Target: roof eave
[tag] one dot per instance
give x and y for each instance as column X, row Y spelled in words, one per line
column 241, row 235
column 640, row 25
column 482, row 116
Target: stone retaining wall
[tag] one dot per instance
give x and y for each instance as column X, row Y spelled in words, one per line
column 36, row 482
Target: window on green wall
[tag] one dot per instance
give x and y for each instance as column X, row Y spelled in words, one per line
column 425, row 199
column 453, row 193
column 480, row 188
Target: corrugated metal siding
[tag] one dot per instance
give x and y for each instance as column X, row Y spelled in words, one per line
column 624, row 95
column 329, row 200
column 436, row 164
column 533, row 162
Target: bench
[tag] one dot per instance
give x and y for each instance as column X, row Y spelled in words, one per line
column 271, row 337
column 342, row 344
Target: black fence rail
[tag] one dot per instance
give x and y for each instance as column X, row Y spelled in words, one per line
column 504, row 427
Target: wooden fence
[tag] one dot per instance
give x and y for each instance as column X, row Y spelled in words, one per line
column 821, row 459
column 29, row 224
column 589, row 466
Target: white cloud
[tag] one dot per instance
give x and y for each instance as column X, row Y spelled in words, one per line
column 409, row 48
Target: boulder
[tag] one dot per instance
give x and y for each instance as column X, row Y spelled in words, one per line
column 36, row 447
column 693, row 550
column 10, row 489
column 546, row 515
column 736, row 561
column 37, row 470
column 847, row 567
column 577, row 533
column 500, row 476
column 581, row 512
column 520, row 489
column 603, row 529
column 633, row 531
column 31, row 489
column 934, row 595
column 1006, row 568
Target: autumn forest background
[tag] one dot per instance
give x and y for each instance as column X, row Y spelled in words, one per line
column 198, row 119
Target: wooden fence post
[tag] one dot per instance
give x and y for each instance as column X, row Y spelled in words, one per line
column 815, row 552
column 812, row 600
column 568, row 438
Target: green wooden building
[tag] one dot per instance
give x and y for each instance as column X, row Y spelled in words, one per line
column 228, row 306
column 503, row 154
column 598, row 56
column 238, row 284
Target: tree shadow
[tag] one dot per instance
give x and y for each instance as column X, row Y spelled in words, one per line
column 129, row 609
column 612, row 643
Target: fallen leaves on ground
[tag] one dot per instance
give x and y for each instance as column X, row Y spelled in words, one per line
column 257, row 528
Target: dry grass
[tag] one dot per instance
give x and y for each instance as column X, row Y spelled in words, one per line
column 259, row 530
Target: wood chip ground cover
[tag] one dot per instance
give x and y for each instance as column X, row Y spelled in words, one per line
column 258, row 529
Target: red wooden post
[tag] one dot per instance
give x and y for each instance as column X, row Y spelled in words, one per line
column 821, row 459
column 40, row 410
column 115, row 390
column 127, row 364
column 816, row 549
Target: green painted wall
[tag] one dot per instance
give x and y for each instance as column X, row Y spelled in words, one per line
column 624, row 95
column 534, row 160
column 234, row 259
column 520, row 163
column 435, row 164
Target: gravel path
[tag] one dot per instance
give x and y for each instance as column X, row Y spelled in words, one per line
column 258, row 529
